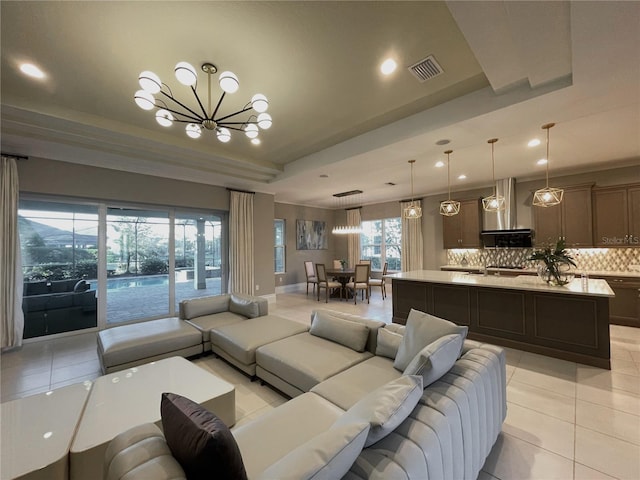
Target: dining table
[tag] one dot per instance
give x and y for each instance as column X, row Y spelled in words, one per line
column 342, row 275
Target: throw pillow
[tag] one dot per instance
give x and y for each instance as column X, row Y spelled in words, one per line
column 423, row 329
column 244, row 306
column 385, row 408
column 345, row 332
column 200, row 441
column 436, row 359
column 326, row 456
column 388, row 343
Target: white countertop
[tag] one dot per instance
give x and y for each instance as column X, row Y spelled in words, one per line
column 591, row 273
column 595, row 287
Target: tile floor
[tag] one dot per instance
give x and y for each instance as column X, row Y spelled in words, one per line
column 564, row 421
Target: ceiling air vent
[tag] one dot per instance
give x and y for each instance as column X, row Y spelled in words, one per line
column 426, row 69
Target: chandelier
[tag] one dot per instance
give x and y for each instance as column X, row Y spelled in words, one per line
column 449, row 207
column 495, row 202
column 547, row 197
column 348, row 228
column 199, row 118
column 413, row 210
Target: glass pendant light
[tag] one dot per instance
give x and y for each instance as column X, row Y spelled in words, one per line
column 449, row 207
column 547, row 197
column 495, row 202
column 413, row 210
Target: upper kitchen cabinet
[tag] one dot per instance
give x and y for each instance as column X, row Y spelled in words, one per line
column 463, row 230
column 570, row 219
column 616, row 216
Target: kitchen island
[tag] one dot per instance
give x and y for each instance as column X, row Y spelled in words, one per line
column 523, row 312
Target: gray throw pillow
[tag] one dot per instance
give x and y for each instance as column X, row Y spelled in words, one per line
column 385, row 408
column 331, row 327
column 244, row 306
column 423, row 329
column 436, row 359
column 388, row 343
column 326, row 456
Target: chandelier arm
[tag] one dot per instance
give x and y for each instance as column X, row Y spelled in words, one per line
column 195, row 94
column 246, row 109
column 183, row 106
column 237, row 123
column 226, row 125
column 217, row 107
column 195, row 118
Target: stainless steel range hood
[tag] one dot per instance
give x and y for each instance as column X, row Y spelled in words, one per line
column 500, row 228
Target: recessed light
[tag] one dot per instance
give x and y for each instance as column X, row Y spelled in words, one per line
column 388, row 66
column 533, row 143
column 444, row 141
column 31, row 70
column 542, row 161
column 462, row 177
column 255, row 141
column 439, row 164
column 324, row 175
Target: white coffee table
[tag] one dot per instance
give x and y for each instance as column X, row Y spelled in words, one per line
column 124, row 399
column 37, row 432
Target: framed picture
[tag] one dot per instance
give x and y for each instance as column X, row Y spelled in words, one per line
column 311, row 235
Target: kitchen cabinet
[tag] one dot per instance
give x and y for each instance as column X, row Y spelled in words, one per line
column 463, row 230
column 571, row 219
column 616, row 216
column 624, row 308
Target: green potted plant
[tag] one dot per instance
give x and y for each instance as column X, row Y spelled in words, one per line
column 555, row 263
column 343, row 264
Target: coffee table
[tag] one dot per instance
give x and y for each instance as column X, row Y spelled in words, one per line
column 37, row 433
column 127, row 398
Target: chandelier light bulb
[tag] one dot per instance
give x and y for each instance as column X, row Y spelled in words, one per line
column 255, row 141
column 164, row 117
column 223, row 134
column 150, row 82
column 144, row 100
column 229, row 82
column 193, row 130
column 251, row 130
column 259, row 103
column 186, row 74
column 264, row 121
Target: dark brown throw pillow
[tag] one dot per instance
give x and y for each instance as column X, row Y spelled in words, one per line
column 200, row 441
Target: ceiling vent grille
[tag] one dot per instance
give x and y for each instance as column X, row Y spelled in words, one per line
column 426, row 69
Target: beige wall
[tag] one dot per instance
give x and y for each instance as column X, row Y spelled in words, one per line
column 49, row 177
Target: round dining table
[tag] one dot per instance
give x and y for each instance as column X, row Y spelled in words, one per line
column 342, row 275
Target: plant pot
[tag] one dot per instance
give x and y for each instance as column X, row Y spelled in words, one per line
column 555, row 274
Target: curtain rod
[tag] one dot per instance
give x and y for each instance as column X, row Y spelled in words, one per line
column 410, row 200
column 352, row 208
column 17, row 157
column 241, row 191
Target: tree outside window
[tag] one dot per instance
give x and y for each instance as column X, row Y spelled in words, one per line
column 380, row 242
column 279, row 254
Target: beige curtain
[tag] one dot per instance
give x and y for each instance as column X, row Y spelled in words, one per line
column 241, row 275
column 353, row 239
column 412, row 253
column 11, row 316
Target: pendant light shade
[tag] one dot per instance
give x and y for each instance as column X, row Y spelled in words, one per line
column 449, row 207
column 414, row 210
column 495, row 202
column 548, row 196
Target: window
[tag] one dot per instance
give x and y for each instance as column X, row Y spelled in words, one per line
column 279, row 234
column 380, row 242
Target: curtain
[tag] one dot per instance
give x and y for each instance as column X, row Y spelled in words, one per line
column 412, row 251
column 11, row 315
column 353, row 239
column 241, row 274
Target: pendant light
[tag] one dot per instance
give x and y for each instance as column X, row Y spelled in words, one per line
column 547, row 197
column 495, row 202
column 413, row 210
column 449, row 207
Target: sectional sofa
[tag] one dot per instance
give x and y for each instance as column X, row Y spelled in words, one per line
column 369, row 400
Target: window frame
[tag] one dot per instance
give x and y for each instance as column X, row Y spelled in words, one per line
column 280, row 246
column 383, row 243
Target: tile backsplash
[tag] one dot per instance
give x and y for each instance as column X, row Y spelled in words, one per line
column 595, row 259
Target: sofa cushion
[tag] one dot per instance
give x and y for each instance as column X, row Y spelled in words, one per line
column 348, row 387
column 388, row 343
column 373, row 325
column 386, row 407
column 197, row 307
column 206, row 323
column 243, row 306
column 328, row 456
column 350, row 334
column 63, row 286
column 422, row 329
column 305, row 360
column 36, row 288
column 200, row 441
column 436, row 359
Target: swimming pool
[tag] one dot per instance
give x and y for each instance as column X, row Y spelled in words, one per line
column 130, row 282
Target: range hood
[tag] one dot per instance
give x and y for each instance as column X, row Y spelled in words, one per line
column 500, row 228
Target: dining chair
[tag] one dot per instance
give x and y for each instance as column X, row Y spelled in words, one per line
column 380, row 282
column 360, row 281
column 365, row 262
column 311, row 276
column 323, row 282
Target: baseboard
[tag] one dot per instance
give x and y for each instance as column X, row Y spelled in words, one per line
column 292, row 287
